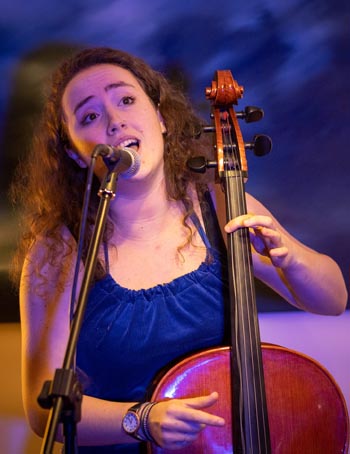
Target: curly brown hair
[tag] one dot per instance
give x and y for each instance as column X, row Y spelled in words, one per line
column 54, row 184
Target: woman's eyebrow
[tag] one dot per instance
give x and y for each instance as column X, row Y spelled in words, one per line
column 107, row 88
column 82, row 102
column 117, row 85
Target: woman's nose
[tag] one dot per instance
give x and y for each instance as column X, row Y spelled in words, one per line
column 115, row 124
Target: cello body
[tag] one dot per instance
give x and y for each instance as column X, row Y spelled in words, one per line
column 307, row 411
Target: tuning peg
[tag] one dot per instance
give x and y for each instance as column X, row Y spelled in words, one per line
column 200, row 164
column 261, row 145
column 251, row 114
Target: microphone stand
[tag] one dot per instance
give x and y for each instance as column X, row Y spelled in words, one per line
column 63, row 395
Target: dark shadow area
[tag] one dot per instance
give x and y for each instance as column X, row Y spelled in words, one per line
column 24, row 106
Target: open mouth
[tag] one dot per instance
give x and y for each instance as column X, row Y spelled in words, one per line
column 130, row 143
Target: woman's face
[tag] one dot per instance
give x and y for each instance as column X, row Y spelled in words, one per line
column 105, row 104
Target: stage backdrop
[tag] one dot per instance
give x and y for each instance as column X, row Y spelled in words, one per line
column 292, row 57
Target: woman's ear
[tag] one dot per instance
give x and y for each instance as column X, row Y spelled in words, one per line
column 161, row 121
column 74, row 155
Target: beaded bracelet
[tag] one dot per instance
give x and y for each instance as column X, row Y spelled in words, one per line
column 144, row 421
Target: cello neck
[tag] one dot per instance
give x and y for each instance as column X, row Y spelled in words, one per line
column 250, row 429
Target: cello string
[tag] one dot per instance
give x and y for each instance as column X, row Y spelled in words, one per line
column 238, row 358
column 252, row 313
column 243, row 270
column 241, row 366
column 252, row 310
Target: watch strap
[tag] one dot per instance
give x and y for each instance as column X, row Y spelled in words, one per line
column 142, row 410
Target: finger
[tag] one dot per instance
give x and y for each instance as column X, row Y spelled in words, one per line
column 250, row 221
column 183, row 416
column 200, row 417
column 202, row 401
column 258, row 221
column 279, row 252
column 237, row 223
column 279, row 257
column 265, row 241
column 268, row 233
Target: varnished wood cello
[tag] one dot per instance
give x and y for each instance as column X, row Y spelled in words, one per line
column 274, row 400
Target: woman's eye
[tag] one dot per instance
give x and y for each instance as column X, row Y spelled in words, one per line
column 89, row 118
column 126, row 100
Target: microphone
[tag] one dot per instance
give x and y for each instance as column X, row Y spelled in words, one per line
column 125, row 161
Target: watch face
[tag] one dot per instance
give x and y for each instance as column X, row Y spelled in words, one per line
column 131, row 422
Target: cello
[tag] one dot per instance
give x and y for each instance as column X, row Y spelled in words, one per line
column 274, row 400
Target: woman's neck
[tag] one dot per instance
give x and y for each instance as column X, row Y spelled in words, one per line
column 143, row 212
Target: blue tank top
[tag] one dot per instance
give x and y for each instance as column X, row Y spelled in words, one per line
column 128, row 336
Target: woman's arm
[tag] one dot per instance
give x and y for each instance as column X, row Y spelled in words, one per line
column 44, row 306
column 303, row 277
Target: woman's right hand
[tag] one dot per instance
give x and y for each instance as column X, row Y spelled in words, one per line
column 176, row 423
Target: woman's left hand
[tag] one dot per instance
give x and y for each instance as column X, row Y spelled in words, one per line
column 265, row 237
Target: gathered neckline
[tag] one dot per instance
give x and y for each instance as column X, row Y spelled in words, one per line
column 109, row 280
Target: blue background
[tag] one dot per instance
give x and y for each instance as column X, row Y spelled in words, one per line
column 291, row 56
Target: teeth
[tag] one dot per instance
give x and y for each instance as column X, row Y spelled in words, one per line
column 128, row 143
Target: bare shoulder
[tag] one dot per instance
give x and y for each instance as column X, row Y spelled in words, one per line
column 48, row 265
column 42, row 244
column 63, row 245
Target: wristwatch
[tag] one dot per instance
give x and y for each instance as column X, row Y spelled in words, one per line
column 131, row 422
